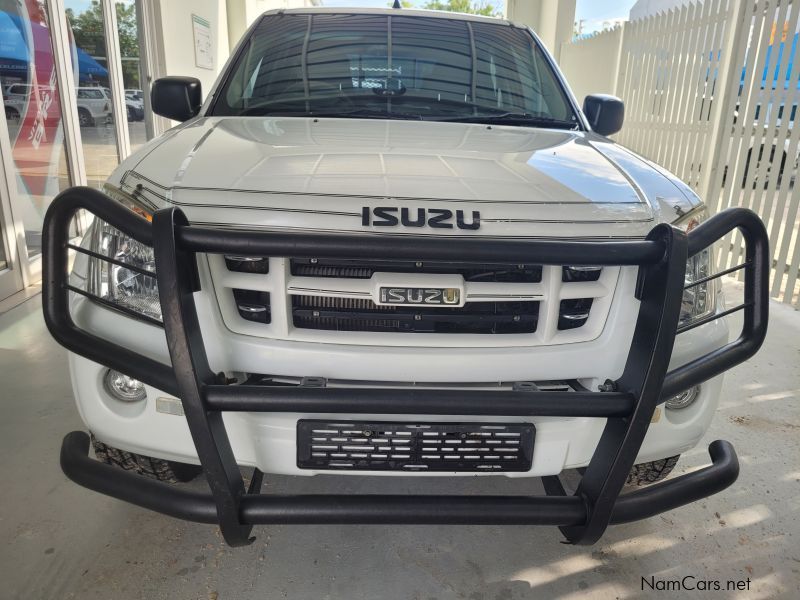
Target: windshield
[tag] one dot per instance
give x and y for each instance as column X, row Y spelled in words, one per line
column 394, row 67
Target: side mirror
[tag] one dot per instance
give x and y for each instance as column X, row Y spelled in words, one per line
column 177, row 98
column 605, row 113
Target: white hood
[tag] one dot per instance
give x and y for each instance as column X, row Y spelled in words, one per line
column 312, row 174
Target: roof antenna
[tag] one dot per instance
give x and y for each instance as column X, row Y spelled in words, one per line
column 397, row 4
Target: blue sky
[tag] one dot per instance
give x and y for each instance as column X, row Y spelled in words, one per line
column 591, row 10
column 600, row 10
column 77, row 5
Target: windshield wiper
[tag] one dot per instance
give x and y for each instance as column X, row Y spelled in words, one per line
column 511, row 118
column 267, row 111
column 359, row 113
column 366, row 113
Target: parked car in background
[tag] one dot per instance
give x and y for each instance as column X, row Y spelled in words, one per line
column 94, row 106
column 770, row 158
column 134, row 105
column 135, row 110
column 778, row 79
column 135, row 96
column 15, row 98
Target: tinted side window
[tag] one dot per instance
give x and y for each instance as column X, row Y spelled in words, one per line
column 90, row 94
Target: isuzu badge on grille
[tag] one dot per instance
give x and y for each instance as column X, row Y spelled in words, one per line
column 423, row 296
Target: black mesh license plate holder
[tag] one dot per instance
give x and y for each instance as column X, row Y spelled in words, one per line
column 414, row 446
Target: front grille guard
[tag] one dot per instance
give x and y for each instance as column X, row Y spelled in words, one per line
column 628, row 408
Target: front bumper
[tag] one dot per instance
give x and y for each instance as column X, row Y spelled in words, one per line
column 268, row 440
column 256, row 509
column 627, row 407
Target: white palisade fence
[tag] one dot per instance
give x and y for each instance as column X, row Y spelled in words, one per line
column 711, row 93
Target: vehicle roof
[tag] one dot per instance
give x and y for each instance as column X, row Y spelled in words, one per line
column 404, row 12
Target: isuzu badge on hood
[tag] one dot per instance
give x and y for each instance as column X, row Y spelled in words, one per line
column 438, row 218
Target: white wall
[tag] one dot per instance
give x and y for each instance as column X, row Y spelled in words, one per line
column 241, row 13
column 591, row 65
column 177, row 36
column 552, row 20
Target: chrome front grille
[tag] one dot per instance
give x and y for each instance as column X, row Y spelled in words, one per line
column 335, row 301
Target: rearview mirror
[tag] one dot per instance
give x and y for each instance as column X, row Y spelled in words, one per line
column 605, row 113
column 177, row 98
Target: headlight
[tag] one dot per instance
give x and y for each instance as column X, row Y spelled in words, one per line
column 698, row 300
column 130, row 282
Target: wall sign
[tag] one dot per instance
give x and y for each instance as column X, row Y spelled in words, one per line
column 203, row 56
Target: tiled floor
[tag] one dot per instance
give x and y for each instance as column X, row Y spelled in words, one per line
column 61, row 541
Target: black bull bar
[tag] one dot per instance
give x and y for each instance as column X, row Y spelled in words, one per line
column 627, row 408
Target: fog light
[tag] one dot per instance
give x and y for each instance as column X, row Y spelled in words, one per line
column 683, row 399
column 124, row 388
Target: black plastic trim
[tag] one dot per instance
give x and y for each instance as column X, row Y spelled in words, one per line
column 262, row 509
column 259, row 398
column 313, row 245
column 628, row 409
column 756, row 298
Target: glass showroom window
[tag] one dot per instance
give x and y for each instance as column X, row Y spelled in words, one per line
column 131, row 71
column 33, row 114
column 3, row 257
column 92, row 89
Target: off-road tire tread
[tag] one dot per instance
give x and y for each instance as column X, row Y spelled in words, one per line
column 153, row 468
column 651, row 472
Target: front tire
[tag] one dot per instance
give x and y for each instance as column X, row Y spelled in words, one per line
column 152, row 468
column 651, row 472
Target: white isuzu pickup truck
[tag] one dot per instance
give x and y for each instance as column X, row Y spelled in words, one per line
column 390, row 242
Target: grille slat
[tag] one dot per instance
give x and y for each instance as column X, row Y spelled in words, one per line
column 382, row 446
column 344, row 272
column 361, row 314
column 335, row 303
column 361, row 269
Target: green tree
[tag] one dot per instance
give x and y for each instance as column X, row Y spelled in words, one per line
column 403, row 3
column 477, row 7
column 87, row 29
